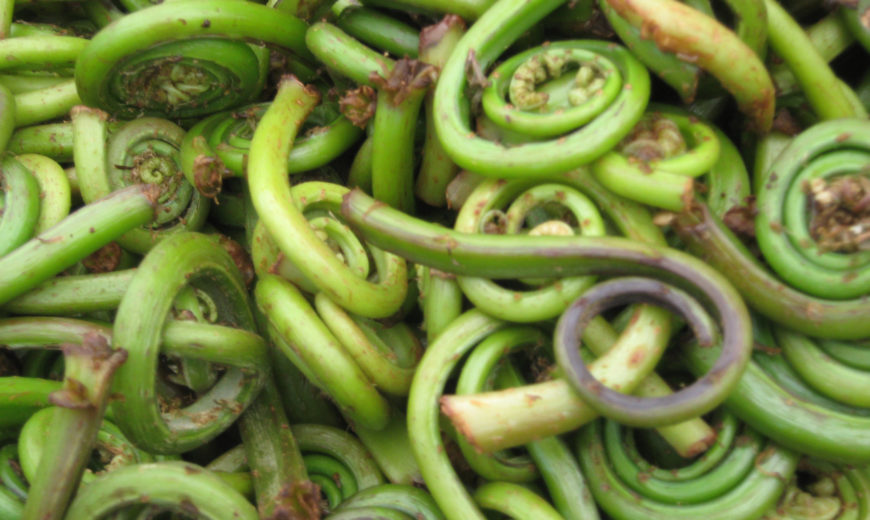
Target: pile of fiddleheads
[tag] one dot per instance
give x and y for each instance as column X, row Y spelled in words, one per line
column 434, row 259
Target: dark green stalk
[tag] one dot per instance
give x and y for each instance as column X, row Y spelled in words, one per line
column 281, row 482
column 382, row 32
column 436, row 169
column 400, row 96
column 7, row 116
column 345, row 55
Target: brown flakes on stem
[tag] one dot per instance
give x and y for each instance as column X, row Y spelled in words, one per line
column 358, row 105
column 407, row 78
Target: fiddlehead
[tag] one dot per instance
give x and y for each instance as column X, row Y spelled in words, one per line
column 507, row 207
column 580, row 84
column 752, row 493
column 480, row 46
column 819, row 251
column 820, row 490
column 274, row 201
column 160, row 61
column 657, row 162
column 151, row 420
column 141, row 152
column 218, row 146
column 774, row 400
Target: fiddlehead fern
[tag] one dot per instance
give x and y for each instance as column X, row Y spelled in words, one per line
column 143, row 152
column 657, row 162
column 819, row 251
column 198, row 261
column 747, row 496
column 823, row 491
column 563, row 204
column 161, row 61
column 218, row 146
column 481, row 45
column 285, row 220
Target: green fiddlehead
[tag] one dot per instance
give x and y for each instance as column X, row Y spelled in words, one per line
column 198, row 261
column 218, row 146
column 141, row 152
column 282, row 213
column 499, row 207
column 480, row 46
column 749, row 497
column 161, row 61
column 818, row 251
column 657, row 162
column 821, row 491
